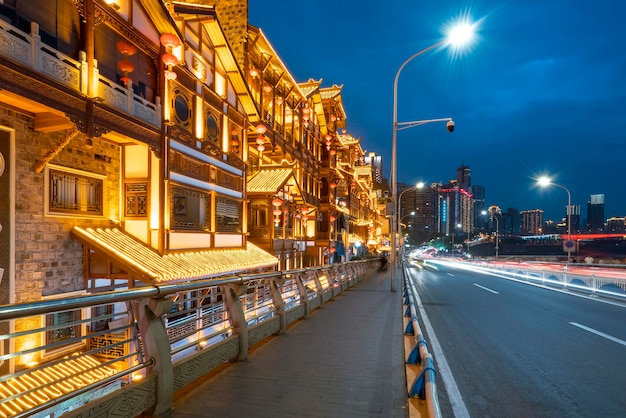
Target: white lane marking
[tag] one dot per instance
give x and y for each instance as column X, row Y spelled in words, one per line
column 601, row 334
column 450, row 274
column 454, row 394
column 486, row 288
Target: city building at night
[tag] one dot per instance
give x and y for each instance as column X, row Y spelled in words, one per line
column 144, row 143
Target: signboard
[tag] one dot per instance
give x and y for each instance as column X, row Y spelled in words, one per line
column 570, row 246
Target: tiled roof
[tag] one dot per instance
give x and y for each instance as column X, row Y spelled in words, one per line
column 137, row 257
column 331, row 92
column 269, row 180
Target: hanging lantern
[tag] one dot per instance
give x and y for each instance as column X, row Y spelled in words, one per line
column 333, row 118
column 170, row 40
column 125, row 48
column 331, row 249
column 267, row 88
column 333, row 152
column 260, row 147
column 277, row 201
column 304, row 209
column 126, row 66
column 306, row 110
column 170, row 60
column 260, row 128
column 333, row 184
column 253, row 72
column 278, row 212
column 279, row 100
column 333, row 218
column 170, row 75
column 260, row 140
column 234, row 141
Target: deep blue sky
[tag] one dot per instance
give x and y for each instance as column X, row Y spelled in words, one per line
column 541, row 91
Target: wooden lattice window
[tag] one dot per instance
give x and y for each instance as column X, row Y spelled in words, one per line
column 136, row 198
column 76, row 193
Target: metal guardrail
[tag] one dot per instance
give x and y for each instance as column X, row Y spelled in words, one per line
column 424, row 384
column 94, row 352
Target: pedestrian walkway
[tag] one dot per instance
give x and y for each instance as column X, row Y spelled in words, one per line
column 345, row 360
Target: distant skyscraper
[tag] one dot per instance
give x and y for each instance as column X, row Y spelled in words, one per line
column 376, row 161
column 595, row 213
column 464, row 177
column 480, row 220
column 532, row 222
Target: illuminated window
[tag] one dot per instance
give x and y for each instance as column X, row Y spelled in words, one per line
column 190, row 209
column 73, row 192
column 228, row 215
column 136, row 196
column 63, row 328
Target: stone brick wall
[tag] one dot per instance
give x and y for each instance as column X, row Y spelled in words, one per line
column 233, row 17
column 47, row 260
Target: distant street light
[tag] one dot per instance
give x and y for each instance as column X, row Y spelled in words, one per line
column 545, row 181
column 493, row 216
column 398, row 231
column 457, row 36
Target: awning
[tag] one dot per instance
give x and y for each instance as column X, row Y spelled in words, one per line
column 273, row 179
column 140, row 259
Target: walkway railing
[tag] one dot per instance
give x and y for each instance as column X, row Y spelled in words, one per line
column 128, row 351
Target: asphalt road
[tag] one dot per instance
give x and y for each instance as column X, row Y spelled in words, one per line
column 516, row 350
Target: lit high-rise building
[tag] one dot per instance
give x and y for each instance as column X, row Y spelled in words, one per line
column 595, row 213
column 532, row 222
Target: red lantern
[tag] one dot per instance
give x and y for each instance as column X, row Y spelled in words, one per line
column 332, row 250
column 333, row 118
column 253, row 72
column 277, row 201
column 260, row 128
column 125, row 48
column 333, row 218
column 260, row 147
column 267, row 88
column 169, row 59
column 333, row 184
column 169, row 40
column 278, row 212
column 260, row 140
column 333, row 152
column 126, row 66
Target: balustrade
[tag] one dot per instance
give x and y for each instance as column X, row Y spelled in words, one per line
column 159, row 338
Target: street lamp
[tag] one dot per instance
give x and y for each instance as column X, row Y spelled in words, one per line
column 397, row 232
column 494, row 216
column 545, row 181
column 457, row 36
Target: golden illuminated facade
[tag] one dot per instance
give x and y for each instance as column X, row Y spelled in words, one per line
column 143, row 143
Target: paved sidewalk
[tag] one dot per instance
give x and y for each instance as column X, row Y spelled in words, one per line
column 345, row 360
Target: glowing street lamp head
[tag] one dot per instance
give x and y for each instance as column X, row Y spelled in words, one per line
column 461, row 34
column 544, row 181
column 420, row 185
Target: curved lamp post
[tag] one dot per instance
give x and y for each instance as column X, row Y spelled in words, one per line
column 545, row 181
column 456, row 37
column 494, row 216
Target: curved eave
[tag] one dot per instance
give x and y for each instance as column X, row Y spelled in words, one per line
column 225, row 55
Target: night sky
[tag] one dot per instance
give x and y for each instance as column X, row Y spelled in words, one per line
column 541, row 90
